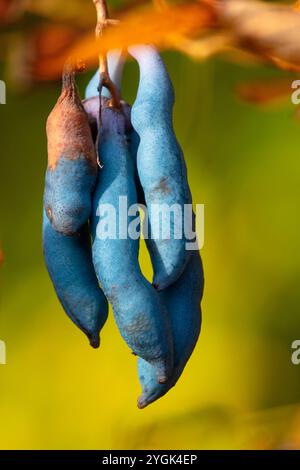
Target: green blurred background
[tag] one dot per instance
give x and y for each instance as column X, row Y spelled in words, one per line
column 240, row 389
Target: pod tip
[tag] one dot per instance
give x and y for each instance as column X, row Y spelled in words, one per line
column 95, row 341
column 141, row 403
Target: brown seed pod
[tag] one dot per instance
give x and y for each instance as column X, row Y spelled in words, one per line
column 72, row 159
column 68, row 130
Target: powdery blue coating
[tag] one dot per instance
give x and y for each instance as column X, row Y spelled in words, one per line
column 133, row 140
column 68, row 194
column 115, row 60
column 182, row 300
column 69, row 263
column 91, row 106
column 160, row 163
column 139, row 313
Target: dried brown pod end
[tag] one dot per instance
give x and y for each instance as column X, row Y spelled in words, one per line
column 68, row 130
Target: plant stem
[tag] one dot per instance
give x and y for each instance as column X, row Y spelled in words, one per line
column 104, row 79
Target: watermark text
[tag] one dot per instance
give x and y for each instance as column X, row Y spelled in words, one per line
column 296, row 94
column 2, row 92
column 2, row 353
column 296, row 352
column 160, row 222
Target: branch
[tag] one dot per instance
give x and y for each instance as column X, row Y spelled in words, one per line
column 269, row 31
column 104, row 79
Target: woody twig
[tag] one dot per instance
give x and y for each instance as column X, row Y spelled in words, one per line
column 103, row 21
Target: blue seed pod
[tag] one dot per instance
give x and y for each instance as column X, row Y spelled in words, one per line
column 133, row 140
column 70, row 265
column 91, row 106
column 115, row 61
column 161, row 167
column 182, row 300
column 72, row 161
column 139, row 313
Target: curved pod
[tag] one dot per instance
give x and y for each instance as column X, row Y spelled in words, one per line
column 182, row 300
column 139, row 313
column 70, row 266
column 161, row 167
column 72, row 161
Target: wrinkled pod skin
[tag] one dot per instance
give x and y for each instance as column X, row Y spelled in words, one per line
column 182, row 300
column 139, row 313
column 72, row 161
column 160, row 163
column 69, row 262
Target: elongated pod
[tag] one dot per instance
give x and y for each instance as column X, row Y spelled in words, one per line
column 139, row 313
column 161, row 167
column 182, row 300
column 69, row 262
column 72, row 161
column 91, row 106
column 115, row 60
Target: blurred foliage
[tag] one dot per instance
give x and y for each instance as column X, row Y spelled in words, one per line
column 239, row 389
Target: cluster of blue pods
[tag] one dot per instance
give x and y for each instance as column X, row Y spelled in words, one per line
column 96, row 159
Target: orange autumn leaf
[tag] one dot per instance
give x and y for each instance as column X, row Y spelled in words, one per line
column 10, row 10
column 297, row 5
column 144, row 25
column 27, row 51
column 204, row 47
column 264, row 92
column 51, row 39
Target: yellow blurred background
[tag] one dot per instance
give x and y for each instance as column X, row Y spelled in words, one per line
column 240, row 389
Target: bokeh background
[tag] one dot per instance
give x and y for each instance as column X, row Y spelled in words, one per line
column 240, row 389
